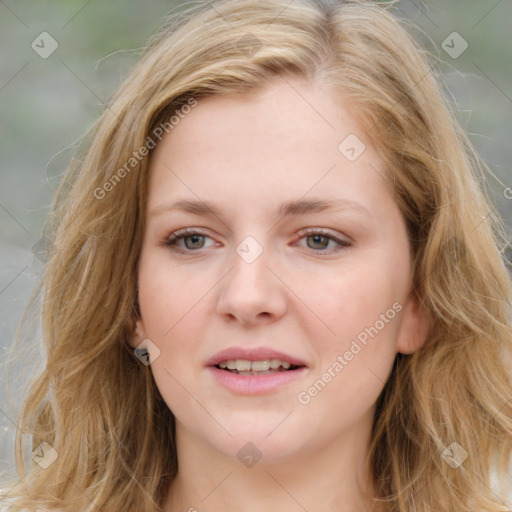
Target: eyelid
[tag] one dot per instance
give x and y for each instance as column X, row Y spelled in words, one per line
column 324, row 231
column 186, row 231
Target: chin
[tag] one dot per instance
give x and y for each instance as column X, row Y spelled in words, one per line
column 268, row 441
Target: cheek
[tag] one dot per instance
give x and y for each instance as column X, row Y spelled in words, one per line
column 354, row 365
column 362, row 307
column 165, row 295
column 170, row 308
column 355, row 298
column 170, row 304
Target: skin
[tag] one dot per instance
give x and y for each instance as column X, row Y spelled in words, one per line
column 248, row 155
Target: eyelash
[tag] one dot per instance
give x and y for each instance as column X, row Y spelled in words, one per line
column 172, row 240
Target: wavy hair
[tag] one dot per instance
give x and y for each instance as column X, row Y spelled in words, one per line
column 98, row 406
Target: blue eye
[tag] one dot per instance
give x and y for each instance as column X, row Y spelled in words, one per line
column 321, row 239
column 186, row 234
column 194, row 240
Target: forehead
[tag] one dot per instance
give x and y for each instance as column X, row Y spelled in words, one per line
column 283, row 111
column 282, row 141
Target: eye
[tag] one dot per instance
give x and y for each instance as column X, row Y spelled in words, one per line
column 320, row 239
column 192, row 238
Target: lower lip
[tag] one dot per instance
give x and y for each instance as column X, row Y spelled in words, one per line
column 255, row 384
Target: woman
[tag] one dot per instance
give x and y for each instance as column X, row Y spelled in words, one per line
column 275, row 284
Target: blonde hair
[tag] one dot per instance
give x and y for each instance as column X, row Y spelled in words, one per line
column 98, row 406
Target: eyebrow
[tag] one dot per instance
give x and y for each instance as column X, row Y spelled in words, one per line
column 288, row 209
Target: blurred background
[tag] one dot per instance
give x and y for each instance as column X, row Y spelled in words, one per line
column 62, row 60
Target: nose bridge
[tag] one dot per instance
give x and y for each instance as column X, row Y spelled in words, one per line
column 251, row 290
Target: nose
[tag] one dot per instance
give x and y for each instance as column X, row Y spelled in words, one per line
column 252, row 291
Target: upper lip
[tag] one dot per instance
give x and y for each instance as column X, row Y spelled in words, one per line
column 254, row 354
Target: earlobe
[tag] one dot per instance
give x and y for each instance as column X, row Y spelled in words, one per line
column 415, row 326
column 138, row 334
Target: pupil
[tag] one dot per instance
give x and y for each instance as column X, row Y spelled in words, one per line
column 316, row 237
column 195, row 237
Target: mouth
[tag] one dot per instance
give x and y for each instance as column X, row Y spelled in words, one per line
column 261, row 367
column 255, row 371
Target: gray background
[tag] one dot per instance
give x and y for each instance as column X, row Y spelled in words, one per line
column 46, row 104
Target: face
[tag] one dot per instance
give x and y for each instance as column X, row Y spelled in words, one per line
column 276, row 316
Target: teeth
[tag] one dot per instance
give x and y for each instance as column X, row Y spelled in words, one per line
column 261, row 367
column 242, row 365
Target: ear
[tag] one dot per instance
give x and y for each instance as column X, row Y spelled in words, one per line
column 415, row 326
column 138, row 333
